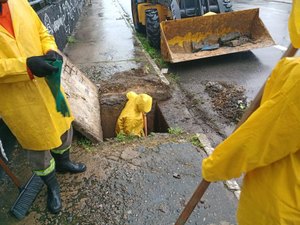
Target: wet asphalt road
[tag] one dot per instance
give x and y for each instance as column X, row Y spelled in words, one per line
column 117, row 52
column 248, row 69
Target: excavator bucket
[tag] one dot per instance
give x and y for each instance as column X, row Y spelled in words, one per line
column 213, row 35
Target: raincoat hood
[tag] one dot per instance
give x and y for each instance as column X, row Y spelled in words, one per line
column 131, row 120
column 143, row 102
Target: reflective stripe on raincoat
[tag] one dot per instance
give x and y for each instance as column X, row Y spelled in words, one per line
column 27, row 106
column 294, row 24
column 267, row 148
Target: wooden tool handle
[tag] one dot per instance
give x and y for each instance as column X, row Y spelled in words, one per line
column 290, row 52
column 10, row 174
column 188, row 209
column 145, row 124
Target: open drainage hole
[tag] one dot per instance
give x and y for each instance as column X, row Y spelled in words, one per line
column 156, row 122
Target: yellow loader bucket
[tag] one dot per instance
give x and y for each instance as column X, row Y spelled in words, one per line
column 208, row 36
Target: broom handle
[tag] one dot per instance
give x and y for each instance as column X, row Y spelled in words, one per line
column 145, row 124
column 202, row 187
column 290, row 52
column 10, row 174
column 196, row 197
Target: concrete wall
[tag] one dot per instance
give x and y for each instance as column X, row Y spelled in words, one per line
column 60, row 18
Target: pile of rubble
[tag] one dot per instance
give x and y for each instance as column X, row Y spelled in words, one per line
column 227, row 100
column 214, row 42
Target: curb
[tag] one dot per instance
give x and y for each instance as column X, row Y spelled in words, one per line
column 232, row 185
column 150, row 60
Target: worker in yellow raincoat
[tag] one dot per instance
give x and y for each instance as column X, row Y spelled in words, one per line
column 266, row 148
column 27, row 104
column 131, row 120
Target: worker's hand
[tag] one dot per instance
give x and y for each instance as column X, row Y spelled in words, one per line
column 39, row 67
column 54, row 55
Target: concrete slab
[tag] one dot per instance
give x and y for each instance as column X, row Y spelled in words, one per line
column 84, row 101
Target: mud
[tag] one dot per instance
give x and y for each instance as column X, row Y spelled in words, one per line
column 214, row 107
column 138, row 80
column 228, row 100
column 133, row 182
column 113, row 91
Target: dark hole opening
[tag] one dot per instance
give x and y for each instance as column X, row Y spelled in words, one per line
column 109, row 115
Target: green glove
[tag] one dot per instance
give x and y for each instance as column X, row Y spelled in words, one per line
column 53, row 82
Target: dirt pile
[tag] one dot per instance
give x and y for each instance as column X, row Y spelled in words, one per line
column 228, row 100
column 138, row 80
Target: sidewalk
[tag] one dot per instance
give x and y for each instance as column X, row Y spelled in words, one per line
column 104, row 42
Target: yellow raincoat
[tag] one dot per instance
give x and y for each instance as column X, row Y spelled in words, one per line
column 294, row 24
column 267, row 148
column 131, row 121
column 27, row 106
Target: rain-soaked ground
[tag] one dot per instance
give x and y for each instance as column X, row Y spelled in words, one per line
column 146, row 181
column 104, row 41
column 143, row 181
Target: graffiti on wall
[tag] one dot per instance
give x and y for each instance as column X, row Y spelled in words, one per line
column 60, row 19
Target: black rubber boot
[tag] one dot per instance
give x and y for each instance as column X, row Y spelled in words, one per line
column 63, row 163
column 53, row 199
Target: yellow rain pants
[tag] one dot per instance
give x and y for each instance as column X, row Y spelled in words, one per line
column 130, row 121
column 267, row 149
column 294, row 24
column 27, row 106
